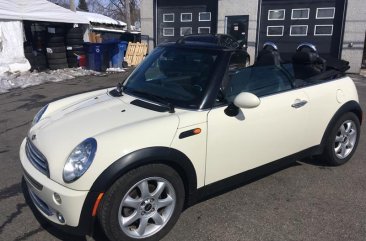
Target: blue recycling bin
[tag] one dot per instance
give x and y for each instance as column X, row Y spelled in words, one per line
column 95, row 56
column 118, row 53
column 99, row 55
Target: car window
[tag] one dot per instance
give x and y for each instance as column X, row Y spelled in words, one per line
column 259, row 80
column 178, row 75
column 238, row 60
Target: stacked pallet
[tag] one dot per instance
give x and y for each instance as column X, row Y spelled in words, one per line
column 135, row 53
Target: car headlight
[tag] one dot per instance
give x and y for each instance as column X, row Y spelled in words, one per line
column 79, row 160
column 39, row 115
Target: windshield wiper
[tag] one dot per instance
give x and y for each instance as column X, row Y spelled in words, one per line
column 159, row 99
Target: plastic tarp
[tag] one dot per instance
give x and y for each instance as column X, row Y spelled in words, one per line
column 99, row 18
column 11, row 48
column 38, row 10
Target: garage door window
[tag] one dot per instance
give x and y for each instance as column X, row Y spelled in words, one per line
column 204, row 16
column 325, row 13
column 185, row 31
column 274, row 30
column 168, row 17
column 301, row 13
column 168, row 32
column 204, row 30
column 323, row 30
column 276, row 14
column 299, row 30
column 186, row 17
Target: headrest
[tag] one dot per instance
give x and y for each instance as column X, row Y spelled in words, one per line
column 305, row 57
column 268, row 57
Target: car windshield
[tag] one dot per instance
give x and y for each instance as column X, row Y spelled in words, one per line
column 174, row 76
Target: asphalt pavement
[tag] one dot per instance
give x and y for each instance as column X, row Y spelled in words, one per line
column 304, row 201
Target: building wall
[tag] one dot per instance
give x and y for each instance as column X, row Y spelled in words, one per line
column 147, row 21
column 354, row 34
column 240, row 7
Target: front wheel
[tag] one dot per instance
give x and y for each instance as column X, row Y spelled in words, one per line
column 144, row 204
column 343, row 140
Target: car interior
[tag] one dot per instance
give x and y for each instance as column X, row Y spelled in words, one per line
column 270, row 74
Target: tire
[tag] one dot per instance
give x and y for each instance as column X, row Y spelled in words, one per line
column 56, row 39
column 58, row 66
column 58, row 30
column 124, row 64
column 75, row 31
column 71, row 54
column 113, row 207
column 58, row 49
column 344, row 134
column 56, row 56
column 76, row 48
column 75, row 41
column 52, row 45
column 57, row 61
column 74, row 36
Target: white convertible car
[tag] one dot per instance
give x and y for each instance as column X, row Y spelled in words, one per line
column 190, row 120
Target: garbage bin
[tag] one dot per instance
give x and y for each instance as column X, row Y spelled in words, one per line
column 118, row 53
column 98, row 55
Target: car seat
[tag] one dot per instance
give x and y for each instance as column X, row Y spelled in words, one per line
column 307, row 62
column 269, row 55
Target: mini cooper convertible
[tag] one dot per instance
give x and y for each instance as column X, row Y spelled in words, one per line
column 191, row 119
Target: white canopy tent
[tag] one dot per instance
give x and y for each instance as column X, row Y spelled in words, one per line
column 38, row 10
column 12, row 14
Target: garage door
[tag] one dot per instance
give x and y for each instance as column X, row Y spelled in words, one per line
column 179, row 18
column 291, row 22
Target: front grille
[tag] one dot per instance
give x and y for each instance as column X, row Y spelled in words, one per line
column 40, row 203
column 36, row 158
column 33, row 182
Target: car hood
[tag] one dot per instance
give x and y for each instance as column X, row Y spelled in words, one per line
column 62, row 129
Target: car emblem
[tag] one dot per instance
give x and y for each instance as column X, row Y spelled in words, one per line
column 33, row 137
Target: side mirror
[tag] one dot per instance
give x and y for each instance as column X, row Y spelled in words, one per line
column 246, row 100
column 242, row 100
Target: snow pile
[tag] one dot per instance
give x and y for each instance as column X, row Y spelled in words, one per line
column 22, row 80
column 115, row 70
column 99, row 18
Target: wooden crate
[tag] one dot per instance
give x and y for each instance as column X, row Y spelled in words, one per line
column 135, row 53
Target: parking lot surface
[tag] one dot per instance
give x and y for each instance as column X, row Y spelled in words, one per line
column 304, row 201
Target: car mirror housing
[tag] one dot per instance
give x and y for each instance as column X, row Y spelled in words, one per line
column 246, row 100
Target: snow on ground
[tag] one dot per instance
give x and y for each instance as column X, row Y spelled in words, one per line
column 10, row 81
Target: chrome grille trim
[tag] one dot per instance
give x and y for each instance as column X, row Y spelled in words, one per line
column 36, row 158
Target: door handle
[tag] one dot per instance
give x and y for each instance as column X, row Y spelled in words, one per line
column 299, row 103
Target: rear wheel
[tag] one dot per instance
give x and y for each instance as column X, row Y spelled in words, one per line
column 143, row 204
column 343, row 140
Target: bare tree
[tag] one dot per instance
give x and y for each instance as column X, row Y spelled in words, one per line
column 83, row 5
column 125, row 10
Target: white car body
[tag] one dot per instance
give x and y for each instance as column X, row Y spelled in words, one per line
column 225, row 146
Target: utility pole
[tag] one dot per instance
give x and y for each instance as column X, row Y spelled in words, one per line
column 128, row 15
column 72, row 5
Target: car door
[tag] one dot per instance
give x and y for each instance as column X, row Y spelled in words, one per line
column 273, row 130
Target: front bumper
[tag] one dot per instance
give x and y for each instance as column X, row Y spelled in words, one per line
column 42, row 191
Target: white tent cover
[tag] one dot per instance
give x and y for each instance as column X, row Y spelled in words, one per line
column 99, row 18
column 38, row 10
column 11, row 48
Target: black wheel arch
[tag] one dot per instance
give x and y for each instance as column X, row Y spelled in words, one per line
column 163, row 155
column 151, row 155
column 350, row 106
